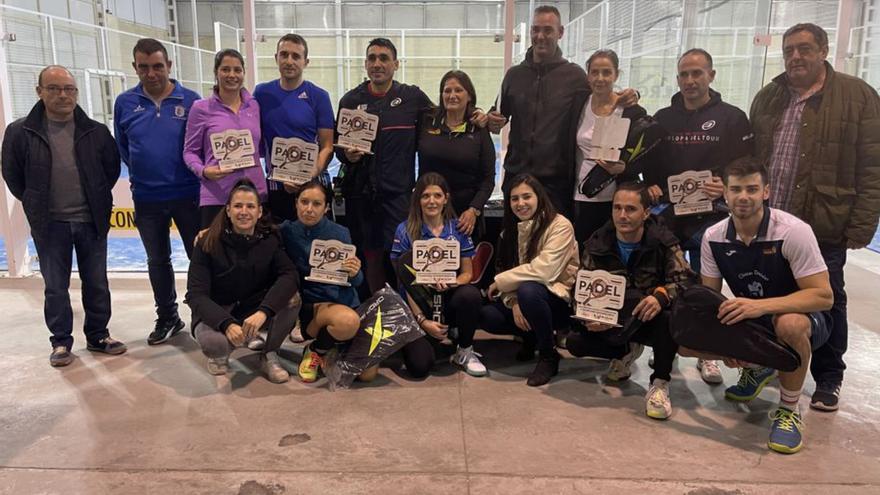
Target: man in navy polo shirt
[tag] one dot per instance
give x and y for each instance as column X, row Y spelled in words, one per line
column 150, row 121
column 290, row 107
column 771, row 261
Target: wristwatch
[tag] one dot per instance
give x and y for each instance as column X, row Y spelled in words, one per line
column 476, row 211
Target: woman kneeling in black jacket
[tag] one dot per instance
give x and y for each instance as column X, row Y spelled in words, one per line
column 240, row 281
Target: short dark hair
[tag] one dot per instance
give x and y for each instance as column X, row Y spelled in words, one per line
column 606, row 53
column 743, row 166
column 227, row 52
column 548, row 9
column 295, row 39
column 317, row 184
column 149, row 46
column 385, row 43
column 40, row 77
column 639, row 188
column 696, row 51
column 818, row 33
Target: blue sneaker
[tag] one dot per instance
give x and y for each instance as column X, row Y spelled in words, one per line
column 785, row 432
column 751, row 382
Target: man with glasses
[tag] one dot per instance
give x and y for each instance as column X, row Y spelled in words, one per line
column 150, row 122
column 62, row 166
column 818, row 131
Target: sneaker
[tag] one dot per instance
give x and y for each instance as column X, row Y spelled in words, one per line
column 657, row 403
column 107, row 345
column 751, row 382
column 651, row 361
column 469, row 360
column 825, row 397
column 619, row 369
column 271, row 367
column 547, row 368
column 61, row 356
column 296, row 335
column 218, row 366
column 256, row 344
column 310, row 366
column 709, row 371
column 164, row 330
column 785, row 432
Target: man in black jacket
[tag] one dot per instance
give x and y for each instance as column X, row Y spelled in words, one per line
column 376, row 187
column 704, row 133
column 543, row 97
column 62, row 166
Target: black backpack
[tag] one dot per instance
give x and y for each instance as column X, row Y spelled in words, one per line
column 695, row 325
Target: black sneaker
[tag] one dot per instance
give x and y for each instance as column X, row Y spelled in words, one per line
column 60, row 356
column 107, row 345
column 825, row 397
column 547, row 368
column 164, row 330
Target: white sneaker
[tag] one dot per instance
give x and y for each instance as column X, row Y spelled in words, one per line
column 709, row 371
column 271, row 367
column 296, row 335
column 619, row 369
column 218, row 366
column 469, row 360
column 657, row 403
column 256, row 344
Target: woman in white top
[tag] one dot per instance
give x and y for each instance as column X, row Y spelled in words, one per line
column 591, row 212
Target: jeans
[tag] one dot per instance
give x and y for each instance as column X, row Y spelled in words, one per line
column 543, row 310
column 153, row 220
column 56, row 261
column 827, row 365
column 215, row 345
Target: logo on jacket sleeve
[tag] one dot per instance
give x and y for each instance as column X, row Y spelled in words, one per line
column 708, row 125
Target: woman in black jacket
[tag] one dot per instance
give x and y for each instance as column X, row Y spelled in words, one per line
column 240, row 281
column 464, row 154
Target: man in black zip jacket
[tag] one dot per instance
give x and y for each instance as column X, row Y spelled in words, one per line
column 704, row 133
column 62, row 166
column 377, row 187
column 542, row 97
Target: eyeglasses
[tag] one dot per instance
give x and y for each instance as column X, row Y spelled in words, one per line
column 57, row 90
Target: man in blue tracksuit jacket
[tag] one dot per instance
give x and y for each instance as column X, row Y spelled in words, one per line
column 150, row 122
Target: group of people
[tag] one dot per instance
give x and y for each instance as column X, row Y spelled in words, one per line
column 794, row 185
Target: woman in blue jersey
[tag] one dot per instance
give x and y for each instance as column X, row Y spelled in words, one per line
column 431, row 216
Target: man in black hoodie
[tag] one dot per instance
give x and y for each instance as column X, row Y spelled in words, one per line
column 704, row 133
column 543, row 97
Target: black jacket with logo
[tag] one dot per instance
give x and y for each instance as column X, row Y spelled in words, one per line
column 704, row 139
column 27, row 167
column 391, row 168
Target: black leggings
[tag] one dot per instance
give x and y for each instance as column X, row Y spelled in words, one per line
column 654, row 333
column 543, row 310
column 461, row 309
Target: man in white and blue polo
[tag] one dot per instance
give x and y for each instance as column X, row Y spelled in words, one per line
column 772, row 264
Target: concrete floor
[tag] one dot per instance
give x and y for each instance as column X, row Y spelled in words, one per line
column 153, row 421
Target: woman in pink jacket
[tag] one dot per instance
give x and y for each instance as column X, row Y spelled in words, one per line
column 222, row 137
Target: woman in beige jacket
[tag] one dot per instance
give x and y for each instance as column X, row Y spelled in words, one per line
column 537, row 264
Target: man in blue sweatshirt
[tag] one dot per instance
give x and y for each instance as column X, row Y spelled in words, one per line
column 150, row 121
